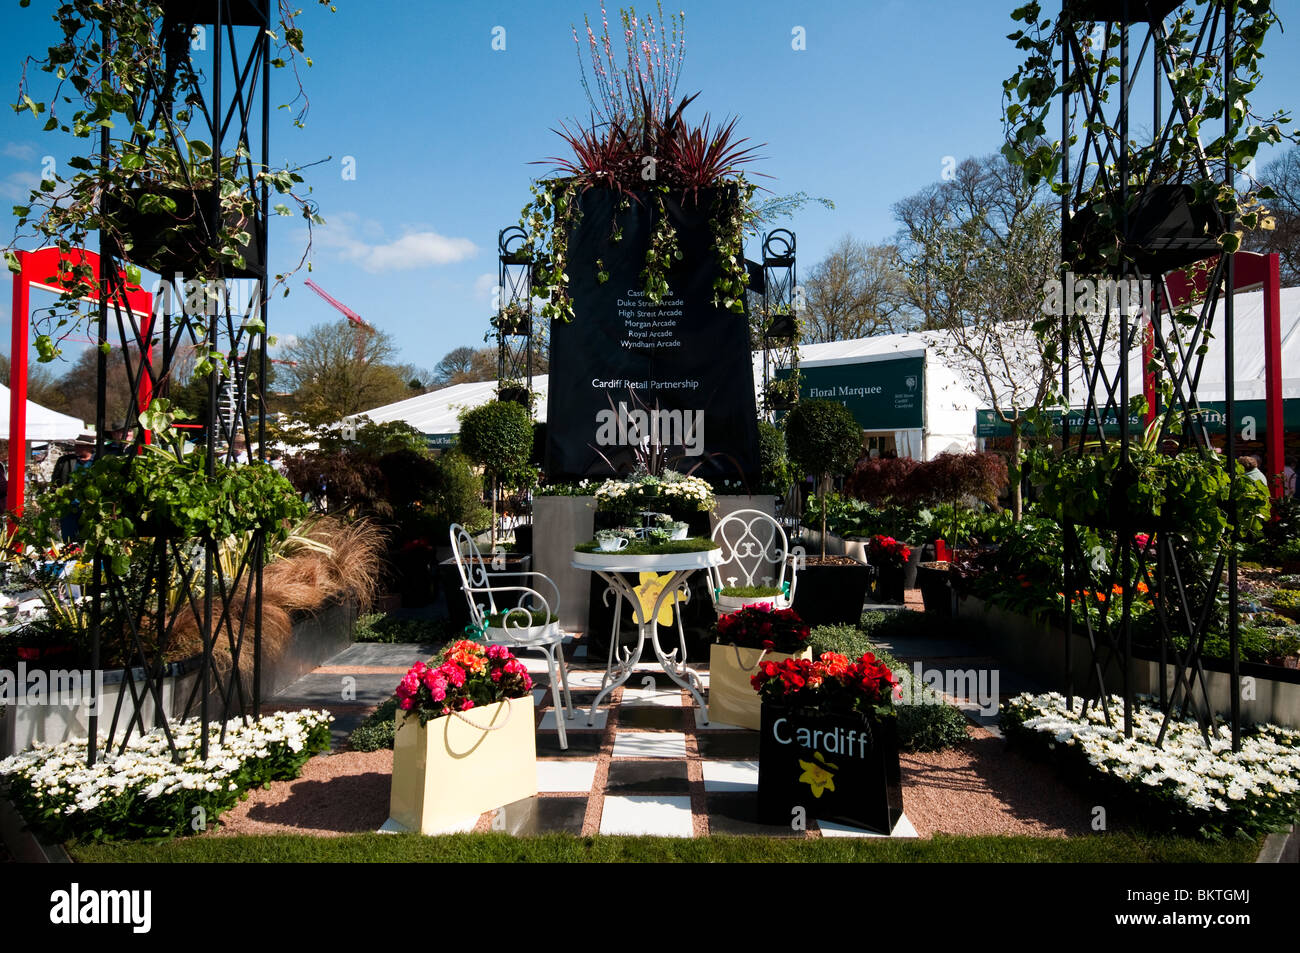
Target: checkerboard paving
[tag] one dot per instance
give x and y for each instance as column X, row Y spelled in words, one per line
column 647, row 764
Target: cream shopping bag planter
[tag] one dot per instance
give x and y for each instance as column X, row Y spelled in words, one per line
column 732, row 699
column 452, row 769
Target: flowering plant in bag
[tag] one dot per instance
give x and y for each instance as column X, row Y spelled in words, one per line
column 467, row 675
column 886, row 552
column 762, row 627
column 830, row 684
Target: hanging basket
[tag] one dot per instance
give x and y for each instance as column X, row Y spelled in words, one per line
column 1166, row 230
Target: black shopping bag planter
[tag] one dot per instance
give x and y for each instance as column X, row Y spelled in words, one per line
column 836, row 767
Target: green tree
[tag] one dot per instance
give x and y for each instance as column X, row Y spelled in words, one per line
column 824, row 440
column 498, row 436
column 340, row 370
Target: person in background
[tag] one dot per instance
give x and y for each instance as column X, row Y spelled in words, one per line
column 239, row 449
column 116, row 445
column 1288, row 477
column 1251, row 466
column 81, row 457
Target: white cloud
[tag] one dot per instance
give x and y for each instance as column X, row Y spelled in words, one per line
column 415, row 249
column 484, row 285
column 19, row 150
column 18, row 186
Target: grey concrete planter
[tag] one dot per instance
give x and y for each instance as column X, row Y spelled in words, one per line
column 316, row 638
column 559, row 523
column 1038, row 650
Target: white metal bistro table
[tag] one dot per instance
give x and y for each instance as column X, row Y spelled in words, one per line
column 679, row 566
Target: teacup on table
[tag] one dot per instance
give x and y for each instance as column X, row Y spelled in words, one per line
column 612, row 544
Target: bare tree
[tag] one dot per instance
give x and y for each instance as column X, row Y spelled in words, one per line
column 977, row 251
column 855, row 291
column 1283, row 177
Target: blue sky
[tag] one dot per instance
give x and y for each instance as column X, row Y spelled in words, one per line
column 442, row 128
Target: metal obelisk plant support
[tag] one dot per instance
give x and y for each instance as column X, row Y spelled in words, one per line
column 514, row 319
column 207, row 307
column 1132, row 216
column 780, row 322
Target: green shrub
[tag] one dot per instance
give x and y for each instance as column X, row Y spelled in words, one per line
column 378, row 627
column 377, row 731
column 457, row 494
column 925, row 721
column 774, row 461
column 1287, row 602
column 750, row 592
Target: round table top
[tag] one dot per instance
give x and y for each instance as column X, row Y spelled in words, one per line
column 660, row 562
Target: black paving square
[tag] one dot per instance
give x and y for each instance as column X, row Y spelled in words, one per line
column 651, row 718
column 737, row 812
column 542, row 815
column 584, row 745
column 727, row 745
column 648, row 777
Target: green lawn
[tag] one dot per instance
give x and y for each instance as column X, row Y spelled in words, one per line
column 561, row 848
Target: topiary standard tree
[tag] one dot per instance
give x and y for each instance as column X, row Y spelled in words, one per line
column 823, row 440
column 498, row 436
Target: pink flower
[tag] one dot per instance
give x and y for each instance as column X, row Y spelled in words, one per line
column 406, row 704
column 466, row 704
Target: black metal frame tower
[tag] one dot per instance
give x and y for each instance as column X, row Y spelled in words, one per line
column 204, row 580
column 780, row 327
column 514, row 319
column 1156, row 232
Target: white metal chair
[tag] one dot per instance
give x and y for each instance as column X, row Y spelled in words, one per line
column 506, row 620
column 756, row 550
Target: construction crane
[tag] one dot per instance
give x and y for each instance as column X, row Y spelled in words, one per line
column 358, row 322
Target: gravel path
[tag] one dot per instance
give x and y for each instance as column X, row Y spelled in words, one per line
column 980, row 789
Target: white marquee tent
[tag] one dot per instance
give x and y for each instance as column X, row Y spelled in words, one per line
column 42, row 423
column 943, row 417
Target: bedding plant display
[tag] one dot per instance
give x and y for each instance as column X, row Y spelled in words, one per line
column 1190, row 783
column 746, row 639
column 464, row 740
column 142, row 792
column 828, row 741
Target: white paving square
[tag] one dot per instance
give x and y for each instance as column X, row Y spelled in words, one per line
column 650, row 744
column 730, row 775
column 577, row 723
column 558, row 776
column 585, row 678
column 718, row 725
column 661, row 815
column 903, row 828
column 652, row 697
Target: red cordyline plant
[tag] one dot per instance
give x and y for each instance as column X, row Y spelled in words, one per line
column 468, row 675
column 831, row 684
column 888, row 553
column 762, row 627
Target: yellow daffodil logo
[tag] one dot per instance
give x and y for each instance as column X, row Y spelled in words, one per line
column 651, row 586
column 818, row 774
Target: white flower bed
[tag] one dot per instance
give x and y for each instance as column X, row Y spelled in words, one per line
column 142, row 792
column 1215, row 788
column 672, row 486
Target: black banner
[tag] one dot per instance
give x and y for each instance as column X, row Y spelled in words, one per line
column 626, row 370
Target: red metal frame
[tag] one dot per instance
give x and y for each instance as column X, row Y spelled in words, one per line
column 1251, row 271
column 48, row 269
